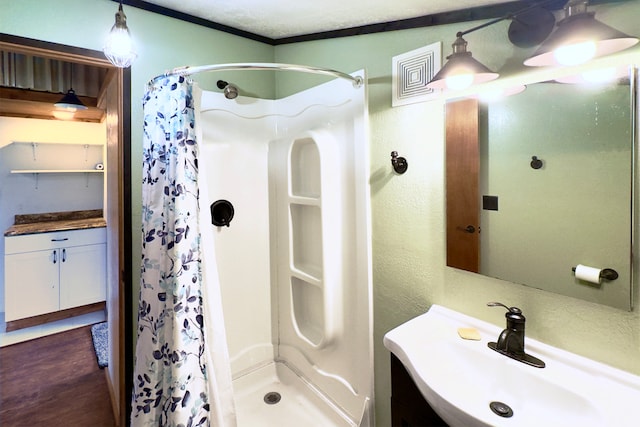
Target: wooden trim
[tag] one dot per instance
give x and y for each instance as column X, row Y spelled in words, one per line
column 452, row 17
column 126, row 244
column 25, row 103
column 34, row 104
column 27, row 322
column 45, row 49
column 100, row 101
column 112, row 395
column 443, row 18
column 150, row 7
column 465, row 15
column 40, row 96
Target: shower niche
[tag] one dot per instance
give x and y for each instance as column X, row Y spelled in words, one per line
column 314, row 194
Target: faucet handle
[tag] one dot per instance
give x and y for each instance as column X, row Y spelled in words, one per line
column 514, row 310
column 514, row 314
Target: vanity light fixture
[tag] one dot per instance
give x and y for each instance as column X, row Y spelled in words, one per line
column 118, row 47
column 461, row 69
column 530, row 26
column 578, row 38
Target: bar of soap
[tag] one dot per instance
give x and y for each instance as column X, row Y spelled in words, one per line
column 469, row 334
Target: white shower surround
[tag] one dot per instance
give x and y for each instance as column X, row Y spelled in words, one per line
column 295, row 263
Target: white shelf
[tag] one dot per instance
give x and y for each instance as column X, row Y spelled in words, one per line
column 305, row 200
column 57, row 171
column 58, row 143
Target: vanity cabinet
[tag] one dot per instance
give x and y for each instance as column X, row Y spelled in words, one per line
column 48, row 272
column 408, row 406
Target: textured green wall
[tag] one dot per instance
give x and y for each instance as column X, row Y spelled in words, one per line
column 408, row 210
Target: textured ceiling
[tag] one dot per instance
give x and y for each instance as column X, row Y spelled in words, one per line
column 277, row 19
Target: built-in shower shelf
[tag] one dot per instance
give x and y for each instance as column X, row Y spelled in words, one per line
column 302, row 200
column 307, row 276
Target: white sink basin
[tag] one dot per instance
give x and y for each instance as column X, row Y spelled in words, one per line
column 460, row 378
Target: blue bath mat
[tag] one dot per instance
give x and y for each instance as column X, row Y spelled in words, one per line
column 100, row 343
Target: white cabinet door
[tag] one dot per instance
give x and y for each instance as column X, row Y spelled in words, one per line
column 83, row 275
column 31, row 284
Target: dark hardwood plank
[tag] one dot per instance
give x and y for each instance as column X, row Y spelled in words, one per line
column 54, row 381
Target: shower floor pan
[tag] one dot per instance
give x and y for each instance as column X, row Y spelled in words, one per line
column 257, row 404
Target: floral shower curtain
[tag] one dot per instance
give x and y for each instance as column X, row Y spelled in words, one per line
column 171, row 371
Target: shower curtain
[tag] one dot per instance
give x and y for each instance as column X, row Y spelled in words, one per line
column 174, row 382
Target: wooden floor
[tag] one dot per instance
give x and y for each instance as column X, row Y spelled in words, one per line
column 54, row 381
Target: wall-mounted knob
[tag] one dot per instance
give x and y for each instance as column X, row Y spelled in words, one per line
column 536, row 163
column 399, row 164
column 221, row 213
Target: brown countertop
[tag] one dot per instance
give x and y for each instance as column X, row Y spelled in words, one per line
column 56, row 221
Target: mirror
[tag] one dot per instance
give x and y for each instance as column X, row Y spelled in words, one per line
column 541, row 182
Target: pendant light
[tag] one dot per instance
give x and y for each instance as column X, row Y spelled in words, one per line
column 67, row 106
column 118, row 47
column 461, row 69
column 70, row 101
column 578, row 38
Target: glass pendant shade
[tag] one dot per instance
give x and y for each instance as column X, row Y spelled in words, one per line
column 70, row 101
column 461, row 70
column 118, row 47
column 579, row 38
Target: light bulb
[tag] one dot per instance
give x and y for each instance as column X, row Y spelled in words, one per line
column 574, row 54
column 119, row 42
column 118, row 47
column 459, row 81
column 64, row 114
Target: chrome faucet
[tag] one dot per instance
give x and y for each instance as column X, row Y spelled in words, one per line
column 511, row 340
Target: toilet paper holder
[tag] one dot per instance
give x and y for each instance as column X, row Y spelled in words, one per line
column 605, row 273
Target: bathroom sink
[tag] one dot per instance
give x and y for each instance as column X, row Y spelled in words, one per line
column 461, row 378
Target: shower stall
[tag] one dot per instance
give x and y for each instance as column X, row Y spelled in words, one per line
column 285, row 229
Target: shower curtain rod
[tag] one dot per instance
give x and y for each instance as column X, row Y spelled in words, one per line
column 357, row 81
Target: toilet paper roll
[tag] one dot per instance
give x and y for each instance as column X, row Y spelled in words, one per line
column 99, row 166
column 588, row 274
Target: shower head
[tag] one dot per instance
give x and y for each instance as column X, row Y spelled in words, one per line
column 230, row 91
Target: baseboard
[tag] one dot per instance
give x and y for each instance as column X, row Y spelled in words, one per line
column 14, row 325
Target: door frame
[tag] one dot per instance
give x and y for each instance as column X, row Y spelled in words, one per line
column 121, row 229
